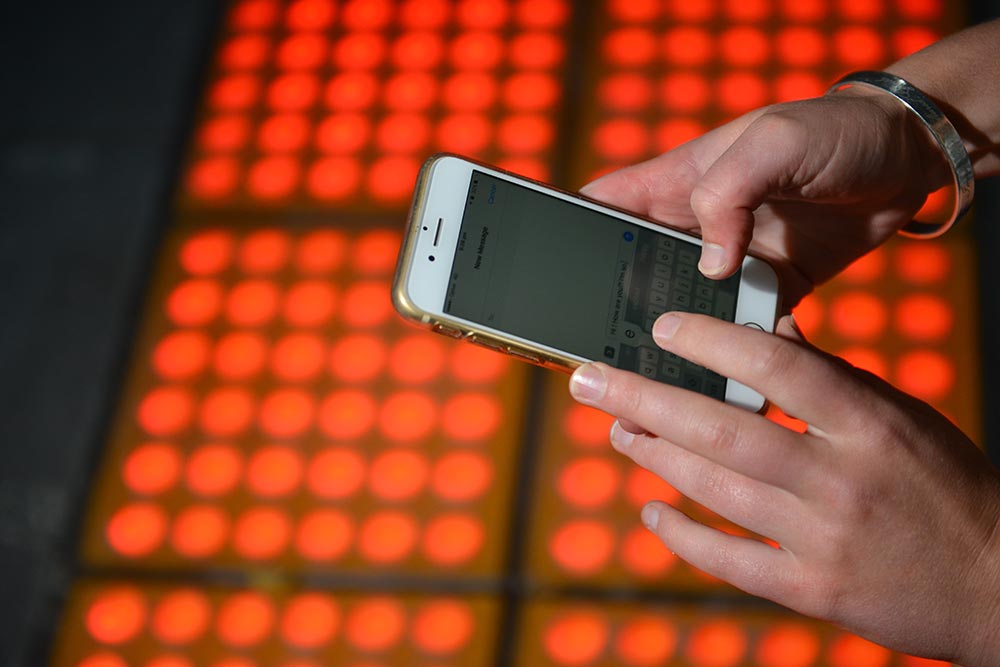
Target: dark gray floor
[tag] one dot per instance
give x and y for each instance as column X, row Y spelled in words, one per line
column 96, row 101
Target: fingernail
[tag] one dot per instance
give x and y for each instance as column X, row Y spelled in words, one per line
column 711, row 262
column 651, row 517
column 665, row 327
column 620, row 438
column 588, row 383
column 795, row 324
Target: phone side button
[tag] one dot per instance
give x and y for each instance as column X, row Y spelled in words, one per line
column 446, row 331
column 524, row 354
column 487, row 343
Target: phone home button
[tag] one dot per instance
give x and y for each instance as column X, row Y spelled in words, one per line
column 753, row 325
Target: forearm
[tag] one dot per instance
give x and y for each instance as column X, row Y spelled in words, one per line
column 962, row 74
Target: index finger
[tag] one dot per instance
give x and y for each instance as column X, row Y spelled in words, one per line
column 797, row 379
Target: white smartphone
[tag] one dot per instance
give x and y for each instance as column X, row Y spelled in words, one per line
column 557, row 279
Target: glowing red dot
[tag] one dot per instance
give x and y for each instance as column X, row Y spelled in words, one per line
column 687, row 45
column 357, row 357
column 226, row 411
column 634, row 11
column 254, row 14
column 213, row 177
column 672, row 133
column 375, row 624
column 717, row 643
column 646, row 640
column 407, row 416
column 194, row 302
column 310, row 14
column 320, row 251
column 346, row 414
column 343, row 133
column 181, row 616
column 417, row 358
column 787, row 645
column 858, row 315
column 622, row 139
column 926, row 374
column 741, row 91
column 452, row 539
column 252, row 302
column 403, row 133
column 541, row 13
column 116, row 615
column 808, row 11
column 631, row 47
column 274, row 471
column 239, row 356
column 684, row 92
column 351, row 91
column 165, row 410
column 366, row 304
column 410, row 91
column 859, row 46
column 582, row 546
column 469, row 417
column 642, row 486
column 588, row 482
column 470, row 91
column 387, row 537
column 213, row 470
column 324, row 535
column 224, row 133
column 530, row 91
column 392, row 178
column 207, row 252
column 923, row 263
column 283, row 133
column 309, row 620
column 424, row 13
column 236, row 92
column 199, row 531
column 367, row 14
column 475, row 50
column 850, row 651
column 625, row 92
column 245, row 619
column 921, row 10
column 264, row 251
column 692, row 11
column 643, row 554
column 801, row 46
column 309, row 303
column 418, row 50
column 910, row 39
column 587, row 426
column 285, row 413
column 481, row 14
column 301, row 51
column 261, row 533
column 244, row 52
column 442, row 627
column 862, row 11
column 463, row 133
column 273, row 177
column 359, row 51
column 335, row 473
column 525, row 134
column 536, row 50
column 461, row 476
column 797, row 86
column 398, row 474
column 475, row 364
column 747, row 10
column 744, row 46
column 924, row 317
column 152, row 468
column 181, row 354
column 576, row 638
column 137, row 529
column 298, row 357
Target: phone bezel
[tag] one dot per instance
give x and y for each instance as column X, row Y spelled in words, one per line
column 421, row 283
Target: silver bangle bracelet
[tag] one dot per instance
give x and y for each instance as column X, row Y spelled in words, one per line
column 944, row 134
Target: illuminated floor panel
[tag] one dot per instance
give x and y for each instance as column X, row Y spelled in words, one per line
column 118, row 623
column 278, row 413
column 578, row 634
column 316, row 103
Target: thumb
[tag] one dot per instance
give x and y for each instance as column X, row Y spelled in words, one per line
column 761, row 162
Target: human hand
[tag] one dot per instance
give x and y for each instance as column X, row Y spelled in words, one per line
column 888, row 517
column 809, row 186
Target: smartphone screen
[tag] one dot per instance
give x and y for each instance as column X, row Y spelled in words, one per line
column 579, row 280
